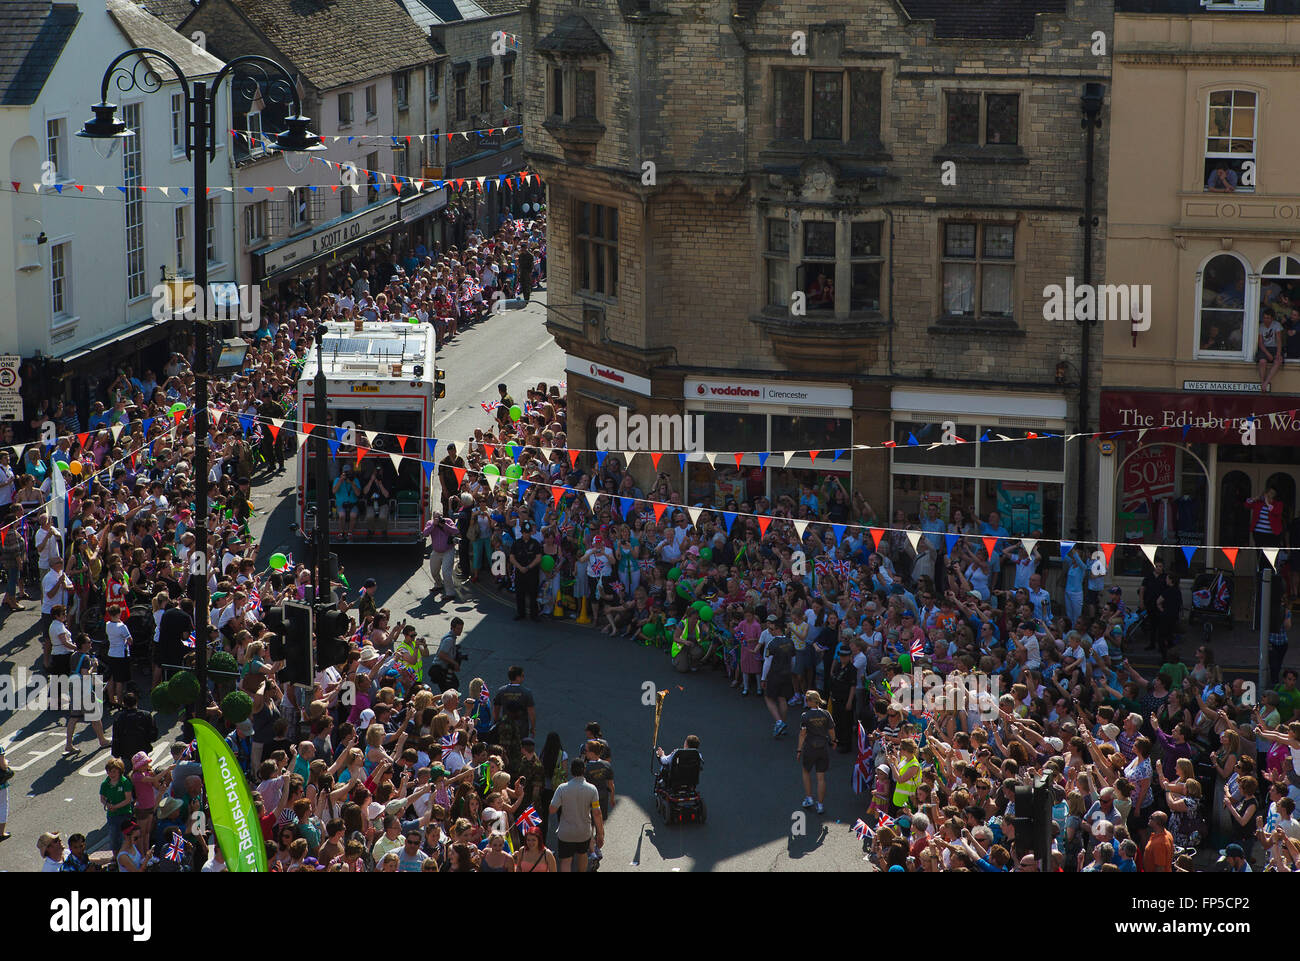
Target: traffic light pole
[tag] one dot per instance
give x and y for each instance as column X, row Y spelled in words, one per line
column 321, row 579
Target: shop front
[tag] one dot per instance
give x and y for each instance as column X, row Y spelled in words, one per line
column 487, row 204
column 774, row 424
column 309, row 256
column 419, row 217
column 1020, row 477
column 1184, row 466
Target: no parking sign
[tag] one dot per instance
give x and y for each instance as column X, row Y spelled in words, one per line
column 11, row 403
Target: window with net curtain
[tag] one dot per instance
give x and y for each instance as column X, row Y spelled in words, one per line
column 979, row 269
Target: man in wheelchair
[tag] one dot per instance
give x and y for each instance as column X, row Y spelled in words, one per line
column 676, row 785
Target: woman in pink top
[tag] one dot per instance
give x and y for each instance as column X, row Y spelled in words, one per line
column 144, row 782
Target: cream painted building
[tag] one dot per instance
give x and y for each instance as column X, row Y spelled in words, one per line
column 1205, row 209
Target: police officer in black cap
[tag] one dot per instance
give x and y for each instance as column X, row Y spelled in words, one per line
column 526, row 556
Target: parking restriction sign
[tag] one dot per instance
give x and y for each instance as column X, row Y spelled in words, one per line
column 11, row 403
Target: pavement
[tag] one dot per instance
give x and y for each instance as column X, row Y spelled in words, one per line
column 751, row 781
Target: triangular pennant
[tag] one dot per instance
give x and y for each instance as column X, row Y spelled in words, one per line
column 600, row 457
column 1270, row 555
column 522, row 488
column 681, row 463
column 839, row 453
column 1030, row 543
column 728, row 518
column 738, row 457
column 429, row 467
column 989, row 544
column 914, row 538
column 306, row 428
column 711, row 457
column 1189, row 552
column 763, row 521
column 460, row 475
column 950, row 541
column 117, row 431
column 659, row 511
column 492, row 480
column 573, row 456
column 432, row 444
column 694, row 514
column 1107, row 550
column 627, row 458
column 556, row 493
column 812, row 455
column 401, row 442
column 592, row 497
column 273, row 427
column 302, row 439
column 1066, row 547
column 876, row 534
column 654, row 458
column 396, row 459
column 799, row 528
column 361, row 452
column 625, row 505
column 1150, row 551
column 762, row 459
column 1231, row 554
column 786, row 457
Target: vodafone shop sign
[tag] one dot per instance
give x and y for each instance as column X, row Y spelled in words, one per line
column 608, row 375
column 770, row 392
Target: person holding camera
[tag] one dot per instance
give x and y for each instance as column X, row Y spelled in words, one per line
column 442, row 534
column 443, row 668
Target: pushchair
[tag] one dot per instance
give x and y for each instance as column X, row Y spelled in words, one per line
column 1211, row 599
column 676, row 790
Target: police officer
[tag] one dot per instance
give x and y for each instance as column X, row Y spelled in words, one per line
column 526, row 557
column 515, row 714
column 843, row 687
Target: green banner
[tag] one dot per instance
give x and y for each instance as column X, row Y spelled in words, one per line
column 234, row 819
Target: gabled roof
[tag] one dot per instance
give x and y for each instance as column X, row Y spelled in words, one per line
column 143, row 29
column 573, row 35
column 336, row 43
column 982, row 19
column 32, row 36
column 170, row 12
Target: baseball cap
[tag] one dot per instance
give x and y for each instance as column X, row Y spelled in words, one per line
column 1055, row 743
column 1234, row 851
column 909, row 614
column 370, row 582
column 139, row 760
column 367, row 716
column 772, row 617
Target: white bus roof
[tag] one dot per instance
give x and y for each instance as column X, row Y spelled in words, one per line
column 369, row 354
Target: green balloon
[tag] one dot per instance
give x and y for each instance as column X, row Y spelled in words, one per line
column 674, row 573
column 492, row 469
column 699, row 605
column 514, row 471
column 905, row 663
column 516, row 412
column 278, row 561
column 176, row 408
column 706, row 613
column 683, row 589
column 647, row 630
column 61, row 464
column 706, row 554
column 548, row 563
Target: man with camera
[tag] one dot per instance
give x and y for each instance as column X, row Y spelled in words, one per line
column 442, row 535
column 443, row 666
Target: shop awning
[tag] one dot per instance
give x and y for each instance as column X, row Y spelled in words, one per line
column 130, row 338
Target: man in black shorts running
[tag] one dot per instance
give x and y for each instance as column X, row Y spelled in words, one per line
column 816, row 737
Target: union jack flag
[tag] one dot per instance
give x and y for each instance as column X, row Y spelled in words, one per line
column 448, row 743
column 862, row 769
column 176, row 850
column 191, row 751
column 884, row 821
column 530, row 818
column 255, row 602
column 489, row 408
column 862, row 830
column 918, row 647
column 192, row 641
column 484, row 697
column 359, row 635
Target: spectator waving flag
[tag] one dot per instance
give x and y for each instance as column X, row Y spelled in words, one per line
column 192, row 641
column 917, row 649
column 529, row 819
column 884, row 821
column 448, row 743
column 862, row 830
column 191, row 751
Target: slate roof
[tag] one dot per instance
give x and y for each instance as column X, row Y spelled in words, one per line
column 32, row 36
column 496, row 7
column 143, row 29
column 982, row 19
column 170, row 12
column 336, row 43
column 573, row 35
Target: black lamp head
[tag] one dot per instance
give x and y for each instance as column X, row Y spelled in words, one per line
column 1094, row 96
column 297, row 138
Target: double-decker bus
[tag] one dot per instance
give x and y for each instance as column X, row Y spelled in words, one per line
column 381, row 385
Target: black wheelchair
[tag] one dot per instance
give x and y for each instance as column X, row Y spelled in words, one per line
column 676, row 790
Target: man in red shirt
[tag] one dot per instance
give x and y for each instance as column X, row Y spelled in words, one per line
column 1159, row 854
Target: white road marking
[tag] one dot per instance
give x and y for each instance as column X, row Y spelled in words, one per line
column 496, row 380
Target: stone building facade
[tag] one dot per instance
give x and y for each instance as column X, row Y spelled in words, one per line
column 824, row 229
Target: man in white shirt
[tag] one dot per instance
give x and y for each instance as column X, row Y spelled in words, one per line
column 54, row 593
column 222, row 613
column 1040, row 598
column 6, row 480
column 48, row 544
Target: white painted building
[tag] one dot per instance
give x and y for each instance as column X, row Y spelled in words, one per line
column 82, row 264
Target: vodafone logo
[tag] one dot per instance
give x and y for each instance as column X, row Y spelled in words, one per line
column 606, row 374
column 731, row 390
column 700, row 389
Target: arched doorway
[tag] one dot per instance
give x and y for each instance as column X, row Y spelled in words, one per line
column 1234, row 516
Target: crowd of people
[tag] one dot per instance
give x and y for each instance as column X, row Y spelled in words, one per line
column 392, row 764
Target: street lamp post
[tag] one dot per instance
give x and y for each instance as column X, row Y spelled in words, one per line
column 254, row 76
column 1094, row 96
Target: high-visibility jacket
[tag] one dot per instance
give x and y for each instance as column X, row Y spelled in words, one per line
column 909, row 778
